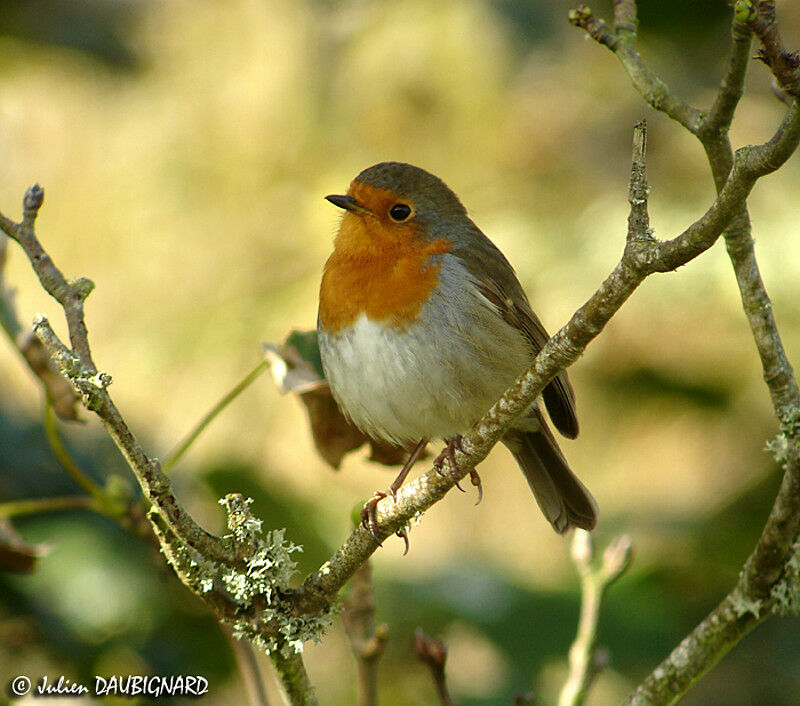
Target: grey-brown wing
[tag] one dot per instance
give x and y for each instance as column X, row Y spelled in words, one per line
column 503, row 290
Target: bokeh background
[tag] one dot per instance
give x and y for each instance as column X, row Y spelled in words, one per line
column 185, row 148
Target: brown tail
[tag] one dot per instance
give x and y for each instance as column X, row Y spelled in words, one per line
column 564, row 500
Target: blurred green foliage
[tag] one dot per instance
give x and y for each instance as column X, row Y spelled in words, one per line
column 191, row 191
column 99, row 28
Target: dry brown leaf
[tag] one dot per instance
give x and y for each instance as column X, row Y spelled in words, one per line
column 296, row 367
column 63, row 398
column 16, row 555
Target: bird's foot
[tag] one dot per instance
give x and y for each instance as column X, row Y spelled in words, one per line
column 369, row 517
column 449, row 453
column 369, row 513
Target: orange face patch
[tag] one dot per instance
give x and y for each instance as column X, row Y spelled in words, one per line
column 378, row 267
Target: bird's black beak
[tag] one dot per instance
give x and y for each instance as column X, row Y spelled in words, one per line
column 348, row 203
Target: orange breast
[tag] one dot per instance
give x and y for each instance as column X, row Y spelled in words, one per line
column 381, row 270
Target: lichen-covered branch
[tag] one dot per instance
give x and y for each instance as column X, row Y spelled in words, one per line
column 242, row 576
column 295, row 684
column 762, row 587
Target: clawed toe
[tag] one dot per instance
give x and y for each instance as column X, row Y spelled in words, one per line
column 475, row 479
column 369, row 518
column 403, row 533
column 369, row 514
column 449, row 453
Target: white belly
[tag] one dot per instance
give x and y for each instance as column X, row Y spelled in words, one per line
column 431, row 380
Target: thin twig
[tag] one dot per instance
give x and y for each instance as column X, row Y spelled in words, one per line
column 433, row 653
column 622, row 41
column 37, row 506
column 209, row 417
column 731, row 88
column 247, row 661
column 784, row 64
column 56, row 386
column 367, row 641
column 585, row 660
column 64, row 458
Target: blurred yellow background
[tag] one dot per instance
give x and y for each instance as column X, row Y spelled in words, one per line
column 189, row 189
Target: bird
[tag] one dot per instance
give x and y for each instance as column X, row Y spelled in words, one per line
column 423, row 324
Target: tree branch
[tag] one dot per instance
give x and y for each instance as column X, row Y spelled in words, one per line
column 240, row 576
column 295, row 684
column 56, row 387
column 623, row 42
column 247, row 661
column 752, row 599
column 433, row 654
column 784, row 64
column 367, row 641
column 731, row 89
column 585, row 660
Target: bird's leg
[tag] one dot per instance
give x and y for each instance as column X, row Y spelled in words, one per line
column 449, row 452
column 369, row 518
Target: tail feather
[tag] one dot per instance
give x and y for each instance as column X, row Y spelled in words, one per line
column 563, row 499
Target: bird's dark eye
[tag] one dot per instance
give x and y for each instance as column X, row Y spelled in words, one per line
column 400, row 212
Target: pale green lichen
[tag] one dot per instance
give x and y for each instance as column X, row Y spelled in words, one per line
column 778, row 447
column 269, row 568
column 786, row 592
column 744, row 604
column 257, row 577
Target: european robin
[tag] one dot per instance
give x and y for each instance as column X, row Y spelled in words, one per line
column 423, row 325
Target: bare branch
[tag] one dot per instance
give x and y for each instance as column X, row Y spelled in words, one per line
column 731, row 88
column 728, row 623
column 623, row 43
column 367, row 641
column 752, row 599
column 433, row 653
column 77, row 365
column 784, row 64
column 56, row 387
column 586, row 661
column 295, row 683
column 241, row 576
column 247, row 661
column 92, row 385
